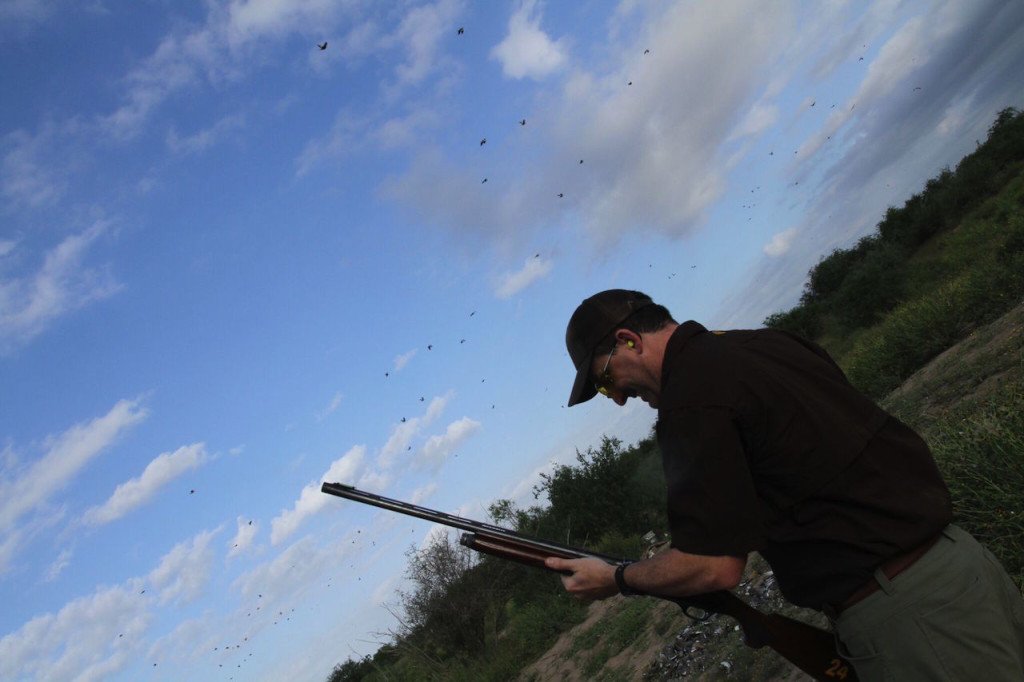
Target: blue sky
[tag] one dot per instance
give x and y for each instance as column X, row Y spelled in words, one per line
column 233, row 265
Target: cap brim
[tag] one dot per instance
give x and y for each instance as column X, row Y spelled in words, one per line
column 583, row 388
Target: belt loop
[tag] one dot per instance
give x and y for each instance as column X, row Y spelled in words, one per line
column 884, row 582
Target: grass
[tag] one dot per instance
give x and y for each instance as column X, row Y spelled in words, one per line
column 610, row 636
column 980, row 450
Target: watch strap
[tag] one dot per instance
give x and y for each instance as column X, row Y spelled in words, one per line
column 620, row 581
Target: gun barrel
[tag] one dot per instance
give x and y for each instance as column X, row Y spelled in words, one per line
column 553, row 548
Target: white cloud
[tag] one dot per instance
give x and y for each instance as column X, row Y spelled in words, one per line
column 311, row 499
column 423, row 493
column 403, row 359
column 255, row 20
column 66, row 454
column 512, row 283
column 175, row 64
column 244, row 536
column 82, row 641
column 62, row 561
column 527, row 51
column 438, row 448
column 26, row 11
column 375, row 481
column 28, row 305
column 295, row 570
column 403, row 432
column 330, row 408
column 184, row 572
column 352, row 133
column 760, row 118
column 204, row 139
column 780, row 243
column 220, row 49
column 654, row 155
column 26, row 177
column 137, row 491
column 404, row 131
column 6, row 246
column 419, row 34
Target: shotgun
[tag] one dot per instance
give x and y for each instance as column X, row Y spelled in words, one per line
column 809, row 648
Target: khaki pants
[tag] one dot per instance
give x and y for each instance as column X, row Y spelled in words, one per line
column 954, row 615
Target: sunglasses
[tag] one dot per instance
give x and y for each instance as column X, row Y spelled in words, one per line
column 604, row 380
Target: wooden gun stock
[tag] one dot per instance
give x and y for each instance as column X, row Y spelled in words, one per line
column 811, row 649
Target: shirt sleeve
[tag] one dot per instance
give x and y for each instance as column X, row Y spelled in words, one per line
column 713, row 506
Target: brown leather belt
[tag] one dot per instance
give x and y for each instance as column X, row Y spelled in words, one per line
column 890, row 569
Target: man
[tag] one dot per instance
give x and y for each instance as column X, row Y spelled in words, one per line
column 767, row 447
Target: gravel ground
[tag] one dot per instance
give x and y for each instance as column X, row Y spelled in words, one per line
column 710, row 649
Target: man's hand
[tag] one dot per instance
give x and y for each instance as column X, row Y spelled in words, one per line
column 590, row 579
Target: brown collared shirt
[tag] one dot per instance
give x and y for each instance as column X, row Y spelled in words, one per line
column 767, row 447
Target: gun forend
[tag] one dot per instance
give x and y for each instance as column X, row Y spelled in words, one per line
column 519, row 551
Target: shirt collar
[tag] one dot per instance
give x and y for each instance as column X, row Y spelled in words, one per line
column 680, row 337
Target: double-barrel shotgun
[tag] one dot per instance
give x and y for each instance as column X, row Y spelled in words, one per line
column 809, row 648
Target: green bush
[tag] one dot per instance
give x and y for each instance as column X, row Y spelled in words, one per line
column 917, row 331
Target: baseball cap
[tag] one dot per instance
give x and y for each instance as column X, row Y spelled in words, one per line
column 593, row 320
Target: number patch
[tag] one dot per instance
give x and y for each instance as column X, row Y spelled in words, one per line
column 837, row 669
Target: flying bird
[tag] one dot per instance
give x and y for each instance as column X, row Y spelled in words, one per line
column 483, row 141
column 322, row 46
column 561, row 195
column 522, row 122
column 647, row 51
column 430, row 347
column 461, row 30
column 629, row 83
column 581, row 161
column 483, row 181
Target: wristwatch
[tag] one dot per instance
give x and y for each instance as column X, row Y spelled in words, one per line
column 620, row 581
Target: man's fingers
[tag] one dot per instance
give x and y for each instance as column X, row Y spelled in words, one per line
column 557, row 563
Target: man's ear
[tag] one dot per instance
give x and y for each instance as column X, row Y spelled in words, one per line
column 630, row 339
